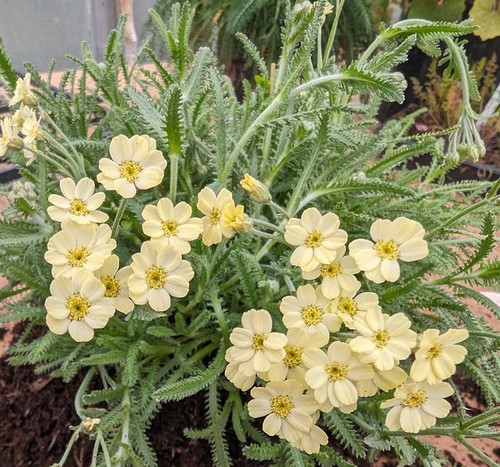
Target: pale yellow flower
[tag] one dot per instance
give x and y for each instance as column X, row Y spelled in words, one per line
column 310, row 310
column 234, row 218
column 317, row 238
column 171, row 225
column 31, row 129
column 311, row 441
column 257, row 190
column 299, row 343
column 384, row 340
column 255, row 347
column 337, row 276
column 350, row 305
column 22, row 114
column 10, row 136
column 159, row 274
column 29, row 149
column 416, row 406
column 78, row 306
column 239, row 379
column 212, row 206
column 437, row 355
column 23, row 92
column 135, row 164
column 333, row 375
column 287, row 410
column 400, row 239
column 115, row 282
column 385, row 380
column 78, row 247
column 78, row 203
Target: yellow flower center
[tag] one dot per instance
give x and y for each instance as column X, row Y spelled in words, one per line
column 312, row 314
column 170, row 228
column 330, row 270
column 112, row 286
column 156, row 276
column 78, row 306
column 415, row 399
column 336, row 371
column 258, row 341
column 293, row 356
column 282, row 405
column 130, row 171
column 380, row 338
column 434, row 351
column 214, row 216
column 78, row 257
column 348, row 305
column 78, row 208
column 314, row 239
column 387, row 249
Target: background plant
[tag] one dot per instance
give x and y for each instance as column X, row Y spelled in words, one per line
column 299, row 131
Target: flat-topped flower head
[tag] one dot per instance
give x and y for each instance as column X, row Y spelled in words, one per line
column 349, row 305
column 23, row 92
column 310, row 310
column 332, row 375
column 171, row 225
column 115, row 282
column 437, row 355
column 299, row 343
column 383, row 340
column 385, row 380
column 78, row 306
column 255, row 347
column 212, row 206
column 337, row 276
column 78, row 247
column 135, row 164
column 397, row 240
column 78, row 203
column 316, row 237
column 158, row 275
column 416, row 406
column 22, row 114
column 287, row 410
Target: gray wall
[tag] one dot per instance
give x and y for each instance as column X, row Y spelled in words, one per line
column 39, row 30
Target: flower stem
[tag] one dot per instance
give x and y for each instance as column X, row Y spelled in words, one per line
column 339, row 4
column 118, row 217
column 81, row 391
column 476, row 451
column 219, row 313
column 69, row 446
column 174, row 167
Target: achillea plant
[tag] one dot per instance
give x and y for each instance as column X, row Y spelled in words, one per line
column 273, row 250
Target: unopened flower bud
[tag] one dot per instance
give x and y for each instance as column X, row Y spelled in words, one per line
column 452, row 157
column 463, row 151
column 257, row 190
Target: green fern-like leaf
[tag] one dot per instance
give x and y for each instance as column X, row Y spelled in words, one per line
column 18, row 233
column 189, row 386
column 7, row 72
column 343, row 430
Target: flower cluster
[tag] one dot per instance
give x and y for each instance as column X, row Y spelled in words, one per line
column 89, row 284
column 20, row 131
column 310, row 369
